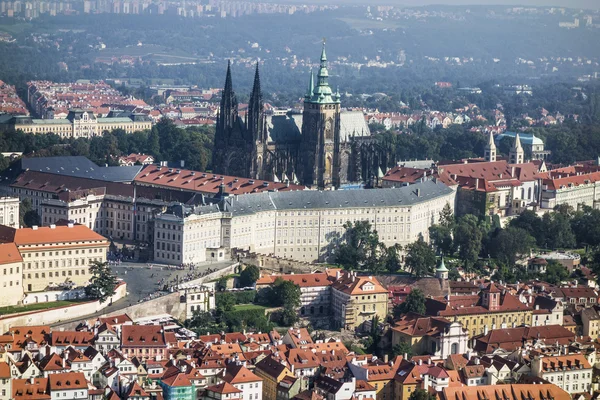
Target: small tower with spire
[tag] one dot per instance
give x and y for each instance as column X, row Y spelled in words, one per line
column 490, row 149
column 516, row 155
column 441, row 272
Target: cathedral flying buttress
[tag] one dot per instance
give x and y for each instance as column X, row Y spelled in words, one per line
column 324, row 146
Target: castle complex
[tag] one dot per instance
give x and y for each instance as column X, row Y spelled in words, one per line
column 325, row 146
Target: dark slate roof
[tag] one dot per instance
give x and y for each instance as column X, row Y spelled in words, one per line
column 335, row 199
column 288, row 128
column 81, row 167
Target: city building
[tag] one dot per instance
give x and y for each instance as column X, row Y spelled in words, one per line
column 272, row 372
column 571, row 372
column 11, row 266
column 511, row 339
column 315, row 291
column 199, row 299
column 144, row 342
column 357, row 300
column 56, row 255
column 573, row 189
column 240, row 377
column 302, row 225
column 543, row 391
column 9, row 211
column 492, row 308
column 437, row 336
column 78, row 124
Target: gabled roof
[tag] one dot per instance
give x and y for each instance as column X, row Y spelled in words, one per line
column 239, row 374
column 36, row 389
column 68, row 381
column 223, row 388
column 358, row 285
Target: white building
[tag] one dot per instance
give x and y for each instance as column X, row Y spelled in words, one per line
column 300, row 225
column 572, row 373
column 9, row 211
column 199, row 299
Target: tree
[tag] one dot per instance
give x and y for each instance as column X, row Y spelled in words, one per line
column 557, row 230
column 28, row 217
column 286, row 294
column 102, row 283
column 249, row 276
column 360, row 247
column 555, row 272
column 441, row 238
column 415, row 303
column 420, row 258
column 224, row 302
column 468, row 238
column 221, row 283
column 421, row 394
column 204, row 322
column 447, row 217
column 401, row 349
column 289, row 316
column 392, row 258
column 510, row 243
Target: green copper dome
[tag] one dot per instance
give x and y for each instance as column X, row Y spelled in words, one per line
column 441, row 267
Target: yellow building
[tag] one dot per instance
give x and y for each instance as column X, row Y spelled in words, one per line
column 492, row 308
column 79, row 124
column 56, row 255
column 379, row 374
column 356, row 300
column 272, row 373
column 11, row 270
column 591, row 323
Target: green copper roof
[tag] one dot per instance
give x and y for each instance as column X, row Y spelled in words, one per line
column 322, row 93
column 442, row 267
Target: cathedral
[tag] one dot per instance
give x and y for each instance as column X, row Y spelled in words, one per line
column 323, row 147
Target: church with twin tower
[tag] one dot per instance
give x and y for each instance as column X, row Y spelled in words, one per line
column 323, row 147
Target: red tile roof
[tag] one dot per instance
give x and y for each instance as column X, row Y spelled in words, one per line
column 142, row 336
column 206, row 183
column 68, row 381
column 9, row 253
column 25, row 389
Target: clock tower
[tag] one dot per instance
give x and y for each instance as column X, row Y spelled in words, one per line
column 320, row 146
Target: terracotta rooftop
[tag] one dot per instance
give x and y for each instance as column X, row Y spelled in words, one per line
column 506, row 392
column 206, row 183
column 9, row 253
column 68, row 381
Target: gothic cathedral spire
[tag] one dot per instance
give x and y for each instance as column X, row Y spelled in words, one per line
column 229, row 105
column 255, row 109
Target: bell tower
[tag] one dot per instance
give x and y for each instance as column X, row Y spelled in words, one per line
column 320, row 143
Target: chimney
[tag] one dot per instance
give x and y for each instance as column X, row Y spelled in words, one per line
column 52, row 226
column 34, row 227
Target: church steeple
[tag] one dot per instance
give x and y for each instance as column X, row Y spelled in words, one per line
column 255, row 108
column 322, row 93
column 490, row 149
column 229, row 106
column 517, row 154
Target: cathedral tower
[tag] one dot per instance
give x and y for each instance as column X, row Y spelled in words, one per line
column 490, row 149
column 516, row 155
column 232, row 147
column 320, row 147
column 255, row 126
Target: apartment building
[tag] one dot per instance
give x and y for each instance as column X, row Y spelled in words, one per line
column 144, row 342
column 11, row 268
column 198, row 300
column 572, row 372
column 56, row 255
column 315, row 290
column 301, row 225
column 356, row 300
column 575, row 189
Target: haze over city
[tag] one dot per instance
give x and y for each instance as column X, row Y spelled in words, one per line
column 299, row 200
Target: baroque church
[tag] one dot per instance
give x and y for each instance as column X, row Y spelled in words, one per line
column 325, row 146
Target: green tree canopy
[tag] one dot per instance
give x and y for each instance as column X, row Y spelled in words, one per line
column 102, row 283
column 468, row 237
column 420, row 258
column 415, row 303
column 249, row 276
